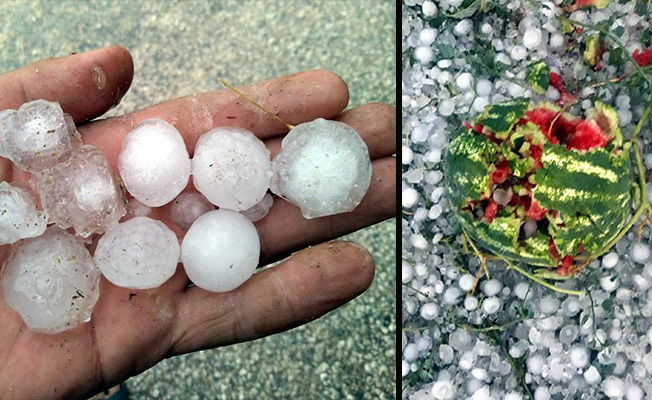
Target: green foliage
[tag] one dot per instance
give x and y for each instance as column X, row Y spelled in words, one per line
column 538, row 75
column 466, row 9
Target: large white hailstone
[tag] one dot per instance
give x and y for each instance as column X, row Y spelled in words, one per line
column 19, row 217
column 154, row 163
column 187, row 207
column 82, row 193
column 323, row 167
column 51, row 281
column 141, row 253
column 231, row 167
column 220, row 250
column 259, row 210
column 37, row 135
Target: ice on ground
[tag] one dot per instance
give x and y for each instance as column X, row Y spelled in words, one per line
column 187, row 207
column 323, row 167
column 154, row 163
column 37, row 135
column 220, row 250
column 51, row 281
column 141, row 253
column 232, row 168
column 19, row 217
column 260, row 209
column 82, row 193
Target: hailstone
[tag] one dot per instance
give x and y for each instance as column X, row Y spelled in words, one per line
column 260, row 209
column 51, row 281
column 136, row 209
column 323, row 167
column 220, row 250
column 37, row 135
column 187, row 207
column 82, row 193
column 154, row 163
column 141, row 253
column 19, row 217
column 231, row 167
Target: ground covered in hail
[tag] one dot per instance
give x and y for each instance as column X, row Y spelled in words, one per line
column 566, row 62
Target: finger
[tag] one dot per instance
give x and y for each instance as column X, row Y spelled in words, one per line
column 86, row 85
column 302, row 288
column 374, row 122
column 295, row 98
column 285, row 230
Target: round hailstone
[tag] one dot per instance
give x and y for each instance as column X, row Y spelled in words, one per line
column 323, row 167
column 640, row 252
column 557, row 40
column 19, row 218
column 141, row 253
column 613, row 387
column 187, row 207
column 231, row 167
column 491, row 305
column 220, row 250
column 532, row 38
column 429, row 311
column 424, row 54
column 579, row 356
column 518, row 53
column 154, row 163
column 37, row 136
column 51, row 281
column 427, row 36
column 610, row 260
column 446, row 107
column 484, row 87
column 443, row 390
column 260, row 209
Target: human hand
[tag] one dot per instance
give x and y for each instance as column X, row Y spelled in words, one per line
column 129, row 333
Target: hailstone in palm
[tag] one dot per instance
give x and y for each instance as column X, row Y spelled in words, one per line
column 141, row 253
column 82, row 193
column 37, row 135
column 187, row 207
column 220, row 250
column 19, row 217
column 51, row 281
column 154, row 163
column 323, row 167
column 260, row 209
column 231, row 167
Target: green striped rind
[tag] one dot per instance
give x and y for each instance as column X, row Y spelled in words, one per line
column 501, row 236
column 467, row 167
column 591, row 192
column 500, row 118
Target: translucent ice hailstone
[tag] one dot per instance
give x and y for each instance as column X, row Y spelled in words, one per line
column 19, row 218
column 37, row 135
column 136, row 209
column 220, row 250
column 154, row 163
column 260, row 209
column 141, row 253
column 187, row 207
column 323, row 167
column 51, row 281
column 82, row 193
column 231, row 167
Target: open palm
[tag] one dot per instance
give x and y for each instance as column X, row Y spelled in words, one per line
column 131, row 330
